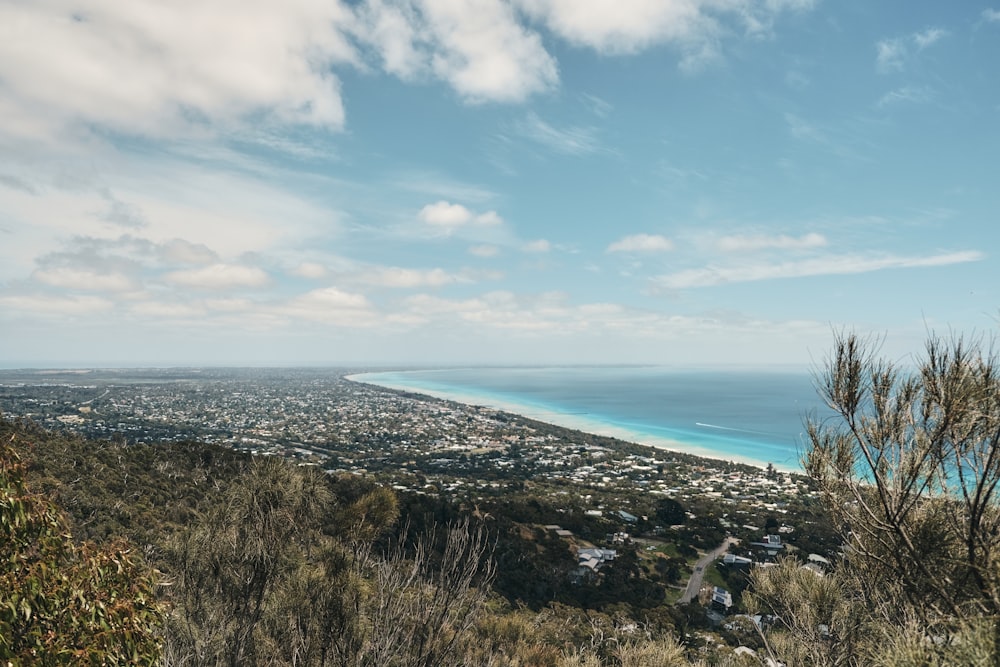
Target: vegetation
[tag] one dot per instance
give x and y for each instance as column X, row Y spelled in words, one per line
column 259, row 561
column 254, row 560
column 61, row 603
column 909, row 474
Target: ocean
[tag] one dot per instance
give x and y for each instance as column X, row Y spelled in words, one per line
column 754, row 417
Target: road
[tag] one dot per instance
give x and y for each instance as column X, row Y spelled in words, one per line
column 694, row 584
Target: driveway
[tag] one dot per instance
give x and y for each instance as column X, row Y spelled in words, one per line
column 694, row 584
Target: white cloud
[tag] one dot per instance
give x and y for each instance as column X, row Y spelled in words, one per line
column 184, row 252
column 489, row 219
column 570, row 141
column 889, row 55
column 57, row 306
column 552, row 319
column 991, row 15
column 410, row 278
column 822, row 266
column 451, row 216
column 333, row 297
column 161, row 69
column 310, row 270
column 780, row 242
column 642, row 243
column 168, row 310
column 195, row 213
column 905, row 94
column 229, row 305
column 929, row 36
column 537, row 246
column 219, row 276
column 445, row 214
column 72, row 278
column 626, row 26
column 478, row 47
column 331, row 305
column 484, row 250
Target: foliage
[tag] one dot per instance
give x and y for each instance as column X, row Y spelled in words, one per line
column 909, row 474
column 62, row 604
column 270, row 563
column 259, row 581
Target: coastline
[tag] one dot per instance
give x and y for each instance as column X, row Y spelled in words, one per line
column 575, row 422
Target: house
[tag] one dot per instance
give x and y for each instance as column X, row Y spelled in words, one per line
column 722, row 598
column 593, row 559
column 737, row 561
column 771, row 544
column 559, row 530
column 626, row 517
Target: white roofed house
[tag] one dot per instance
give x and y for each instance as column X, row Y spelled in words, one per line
column 770, row 544
column 721, row 598
column 590, row 560
column 737, row 561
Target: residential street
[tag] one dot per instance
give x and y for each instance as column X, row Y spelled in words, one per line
column 694, row 584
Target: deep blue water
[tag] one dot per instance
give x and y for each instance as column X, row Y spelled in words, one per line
column 740, row 415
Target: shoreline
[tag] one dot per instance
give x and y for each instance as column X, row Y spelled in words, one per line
column 572, row 422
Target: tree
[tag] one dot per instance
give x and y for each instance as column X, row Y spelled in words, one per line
column 670, row 512
column 278, row 574
column 228, row 565
column 60, row 603
column 908, row 470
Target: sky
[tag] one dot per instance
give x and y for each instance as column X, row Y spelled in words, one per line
column 428, row 182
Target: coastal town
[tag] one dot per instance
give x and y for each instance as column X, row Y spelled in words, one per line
column 592, row 494
column 318, row 417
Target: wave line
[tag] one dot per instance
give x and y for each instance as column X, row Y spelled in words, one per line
column 729, row 428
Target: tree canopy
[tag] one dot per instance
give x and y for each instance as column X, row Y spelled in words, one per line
column 908, row 470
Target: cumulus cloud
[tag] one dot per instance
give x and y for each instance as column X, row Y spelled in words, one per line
column 554, row 316
column 332, row 297
column 537, row 246
column 123, row 214
column 821, row 266
column 83, row 279
column 409, row 278
column 484, row 250
column 219, row 276
column 489, row 219
column 478, row 47
column 310, row 270
column 57, row 306
column 179, row 251
column 168, row 310
column 695, row 27
column 780, row 242
column 446, row 215
column 623, row 26
column 642, row 243
column 332, row 305
column 152, row 68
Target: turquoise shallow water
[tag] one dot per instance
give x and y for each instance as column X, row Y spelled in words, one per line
column 753, row 417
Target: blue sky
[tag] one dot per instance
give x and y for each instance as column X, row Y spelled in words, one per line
column 494, row 181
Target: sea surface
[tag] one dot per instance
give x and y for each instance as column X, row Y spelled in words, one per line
column 752, row 417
